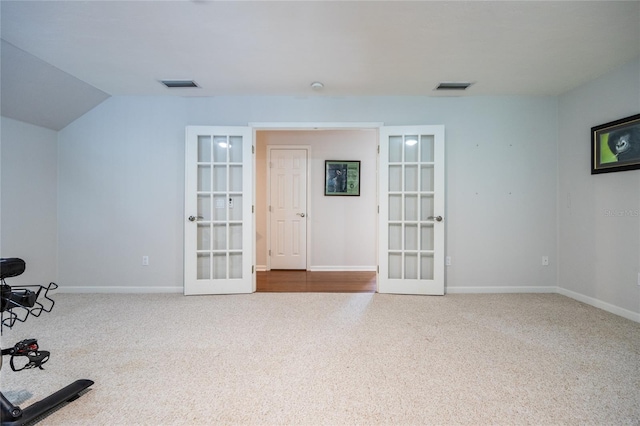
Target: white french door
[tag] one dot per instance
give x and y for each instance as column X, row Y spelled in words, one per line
column 411, row 220
column 288, row 208
column 218, row 222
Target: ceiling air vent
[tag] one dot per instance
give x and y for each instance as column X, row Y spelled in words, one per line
column 179, row 83
column 453, row 85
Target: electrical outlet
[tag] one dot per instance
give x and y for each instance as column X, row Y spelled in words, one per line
column 447, row 260
column 145, row 260
column 545, row 260
column 639, row 278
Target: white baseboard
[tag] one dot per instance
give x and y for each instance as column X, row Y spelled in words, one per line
column 630, row 315
column 489, row 290
column 344, row 268
column 119, row 289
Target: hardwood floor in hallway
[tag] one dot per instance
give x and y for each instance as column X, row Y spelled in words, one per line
column 316, row 282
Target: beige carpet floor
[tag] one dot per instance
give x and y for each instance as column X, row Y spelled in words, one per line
column 333, row 359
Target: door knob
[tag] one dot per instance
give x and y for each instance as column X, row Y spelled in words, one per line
column 437, row 218
column 193, row 218
column 300, row 214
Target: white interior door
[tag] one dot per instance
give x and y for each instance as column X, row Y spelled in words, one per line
column 218, row 219
column 288, row 208
column 411, row 220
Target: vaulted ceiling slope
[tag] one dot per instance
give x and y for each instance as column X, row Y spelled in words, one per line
column 36, row 92
column 92, row 49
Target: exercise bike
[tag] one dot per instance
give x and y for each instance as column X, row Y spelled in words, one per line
column 17, row 304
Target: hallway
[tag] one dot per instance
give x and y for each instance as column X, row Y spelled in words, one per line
column 316, row 282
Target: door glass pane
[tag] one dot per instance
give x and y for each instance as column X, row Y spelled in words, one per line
column 426, row 148
column 235, row 178
column 426, row 266
column 220, row 237
column 426, row 207
column 204, row 237
column 395, row 265
column 204, row 178
column 204, row 149
column 411, row 178
column 426, row 237
column 219, row 207
column 220, row 149
column 395, row 237
column 204, row 207
column 411, row 266
column 204, row 267
column 220, row 178
column 411, row 149
column 395, row 207
column 411, row 237
column 219, row 266
column 235, row 265
column 426, row 178
column 235, row 236
column 395, row 178
column 411, row 207
column 395, row 149
column 235, row 149
column 235, row 207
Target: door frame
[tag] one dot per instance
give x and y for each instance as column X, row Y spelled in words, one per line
column 302, row 126
column 306, row 148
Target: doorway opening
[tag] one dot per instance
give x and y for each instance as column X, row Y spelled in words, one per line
column 339, row 233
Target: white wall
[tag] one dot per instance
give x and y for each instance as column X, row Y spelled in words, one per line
column 121, row 177
column 28, row 225
column 501, row 181
column 599, row 253
column 121, row 174
column 351, row 221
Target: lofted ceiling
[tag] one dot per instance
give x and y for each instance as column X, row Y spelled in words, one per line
column 61, row 58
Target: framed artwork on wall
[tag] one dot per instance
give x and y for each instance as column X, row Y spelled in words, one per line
column 615, row 146
column 341, row 177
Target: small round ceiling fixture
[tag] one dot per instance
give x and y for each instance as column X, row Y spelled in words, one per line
column 316, row 85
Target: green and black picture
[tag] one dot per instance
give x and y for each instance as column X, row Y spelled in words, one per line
column 341, row 177
column 615, row 146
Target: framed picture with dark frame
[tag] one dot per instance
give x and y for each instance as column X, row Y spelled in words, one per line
column 615, row 146
column 341, row 177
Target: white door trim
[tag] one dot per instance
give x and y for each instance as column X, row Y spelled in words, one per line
column 308, row 201
column 314, row 125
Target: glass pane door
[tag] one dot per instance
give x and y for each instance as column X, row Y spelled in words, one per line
column 412, row 203
column 218, row 249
